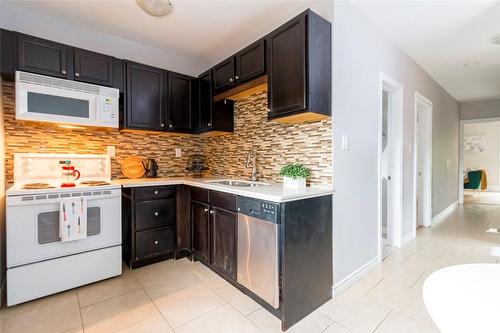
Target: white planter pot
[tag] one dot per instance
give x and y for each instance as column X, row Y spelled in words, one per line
column 291, row 183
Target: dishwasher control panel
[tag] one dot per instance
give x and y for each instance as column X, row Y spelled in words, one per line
column 263, row 210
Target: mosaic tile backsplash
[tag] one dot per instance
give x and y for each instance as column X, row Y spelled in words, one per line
column 276, row 144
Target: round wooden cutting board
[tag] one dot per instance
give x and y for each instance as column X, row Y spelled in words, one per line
column 133, row 167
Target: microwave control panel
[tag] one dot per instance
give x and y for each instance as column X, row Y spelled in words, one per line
column 108, row 110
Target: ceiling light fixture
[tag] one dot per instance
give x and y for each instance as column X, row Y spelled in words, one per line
column 471, row 65
column 157, row 8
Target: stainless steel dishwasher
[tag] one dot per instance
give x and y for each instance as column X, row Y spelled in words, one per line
column 258, row 255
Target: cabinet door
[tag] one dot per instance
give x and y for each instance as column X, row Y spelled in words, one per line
column 200, row 219
column 93, row 67
column 152, row 243
column 145, row 90
column 179, row 102
column 287, row 67
column 224, row 240
column 223, row 75
column 250, row 62
column 42, row 56
column 206, row 101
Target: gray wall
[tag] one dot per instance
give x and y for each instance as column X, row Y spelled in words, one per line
column 480, row 109
column 361, row 52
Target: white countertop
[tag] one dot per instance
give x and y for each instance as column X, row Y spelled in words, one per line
column 273, row 192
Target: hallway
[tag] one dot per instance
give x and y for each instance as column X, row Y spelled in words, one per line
column 389, row 298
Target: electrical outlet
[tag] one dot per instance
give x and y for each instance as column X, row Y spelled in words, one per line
column 178, row 152
column 111, row 151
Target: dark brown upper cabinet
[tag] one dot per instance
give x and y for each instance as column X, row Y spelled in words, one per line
column 92, row 67
column 145, row 92
column 250, row 62
column 179, row 102
column 241, row 67
column 299, row 69
column 205, row 101
column 41, row 56
column 8, row 54
column 211, row 116
column 223, row 75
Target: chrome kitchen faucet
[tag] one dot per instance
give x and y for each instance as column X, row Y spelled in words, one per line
column 252, row 155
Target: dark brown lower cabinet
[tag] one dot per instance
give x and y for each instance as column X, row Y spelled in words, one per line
column 214, row 224
column 224, row 240
column 148, row 224
column 200, row 222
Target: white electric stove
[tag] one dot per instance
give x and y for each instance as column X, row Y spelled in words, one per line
column 38, row 263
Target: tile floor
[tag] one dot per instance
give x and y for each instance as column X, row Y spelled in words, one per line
column 181, row 296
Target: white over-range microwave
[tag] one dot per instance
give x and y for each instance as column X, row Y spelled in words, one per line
column 48, row 99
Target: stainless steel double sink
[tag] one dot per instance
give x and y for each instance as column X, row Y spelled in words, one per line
column 237, row 183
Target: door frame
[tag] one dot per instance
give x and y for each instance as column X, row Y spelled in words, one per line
column 427, row 220
column 396, row 90
column 461, row 152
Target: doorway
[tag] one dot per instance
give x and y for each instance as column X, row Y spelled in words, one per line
column 423, row 162
column 480, row 157
column 390, row 165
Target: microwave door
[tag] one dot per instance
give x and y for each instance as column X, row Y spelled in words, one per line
column 50, row 104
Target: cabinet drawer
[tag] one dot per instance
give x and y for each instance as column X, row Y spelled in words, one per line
column 154, row 213
column 199, row 194
column 223, row 200
column 154, row 192
column 152, row 243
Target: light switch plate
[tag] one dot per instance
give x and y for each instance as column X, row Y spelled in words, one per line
column 111, row 151
column 345, row 143
column 178, row 152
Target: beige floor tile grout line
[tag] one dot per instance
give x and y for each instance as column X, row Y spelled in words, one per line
column 151, row 300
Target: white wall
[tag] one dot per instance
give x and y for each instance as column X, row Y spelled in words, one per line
column 32, row 23
column 488, row 160
column 480, row 109
column 361, row 52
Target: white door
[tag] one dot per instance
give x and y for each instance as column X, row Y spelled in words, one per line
column 424, row 161
column 391, row 165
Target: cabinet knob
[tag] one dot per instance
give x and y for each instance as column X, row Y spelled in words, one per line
column 77, row 74
column 209, row 124
column 63, row 71
column 162, row 125
column 211, row 211
column 156, row 213
column 268, row 110
column 157, row 242
column 156, row 192
column 237, row 77
column 206, row 210
column 231, row 79
column 170, row 125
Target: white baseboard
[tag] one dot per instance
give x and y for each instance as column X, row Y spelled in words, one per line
column 354, row 277
column 444, row 213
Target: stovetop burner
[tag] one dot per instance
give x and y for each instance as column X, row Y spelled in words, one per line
column 94, row 183
column 36, row 186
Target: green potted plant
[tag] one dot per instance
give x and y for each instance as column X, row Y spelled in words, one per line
column 295, row 175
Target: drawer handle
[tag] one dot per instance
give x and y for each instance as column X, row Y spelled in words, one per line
column 156, row 192
column 156, row 213
column 211, row 211
column 157, row 242
column 206, row 210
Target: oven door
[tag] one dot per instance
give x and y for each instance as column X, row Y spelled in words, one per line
column 33, row 226
column 53, row 104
